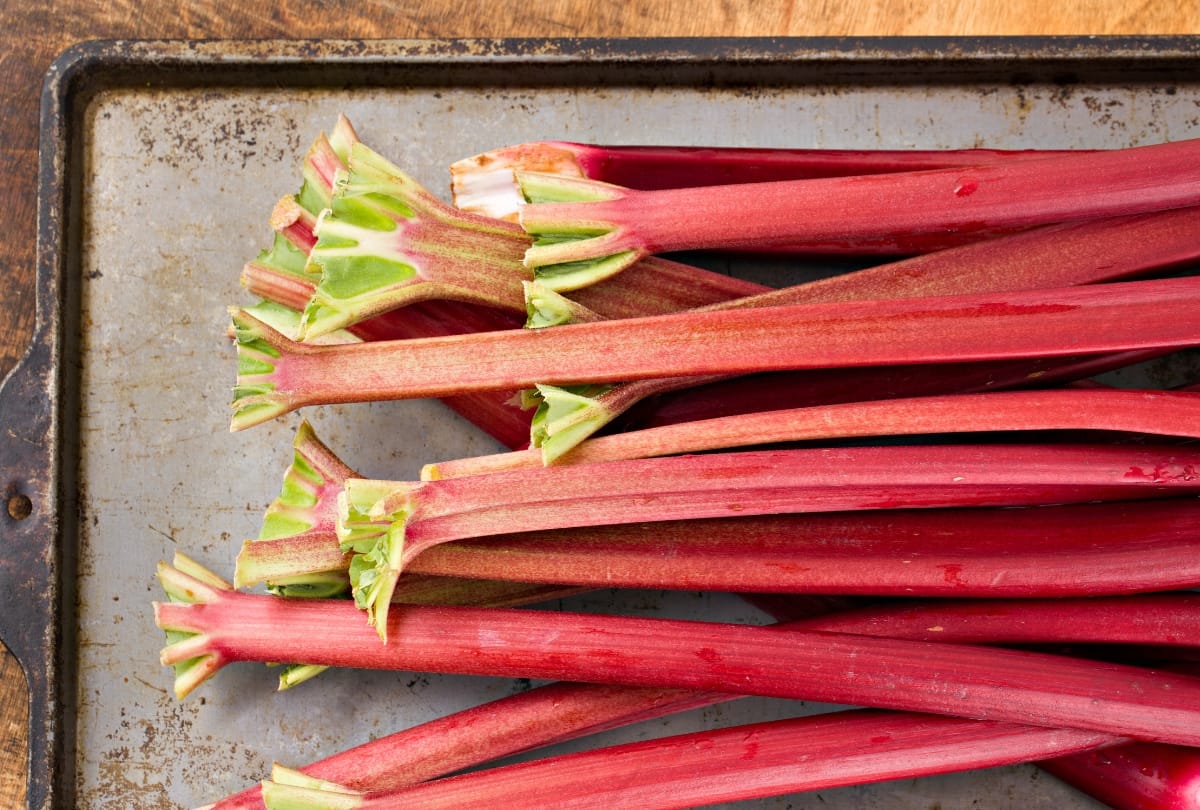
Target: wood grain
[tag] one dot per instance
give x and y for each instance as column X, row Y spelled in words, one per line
column 34, row 34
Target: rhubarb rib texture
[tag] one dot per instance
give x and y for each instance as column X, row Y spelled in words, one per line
column 387, row 524
column 484, row 183
column 978, row 682
column 1151, row 412
column 732, row 764
column 277, row 375
column 887, row 211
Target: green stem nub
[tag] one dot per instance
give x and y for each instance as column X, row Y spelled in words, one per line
column 566, row 416
column 377, row 542
column 188, row 582
column 544, row 307
column 255, row 398
column 570, row 252
column 289, row 789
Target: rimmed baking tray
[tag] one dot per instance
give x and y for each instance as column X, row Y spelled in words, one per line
column 159, row 164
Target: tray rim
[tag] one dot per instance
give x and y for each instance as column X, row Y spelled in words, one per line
column 39, row 406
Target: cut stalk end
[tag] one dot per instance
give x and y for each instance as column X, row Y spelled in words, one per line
column 544, row 307
column 187, row 582
column 259, row 347
column 376, row 541
column 571, row 252
column 283, row 796
column 485, row 184
column 567, row 416
column 295, row 674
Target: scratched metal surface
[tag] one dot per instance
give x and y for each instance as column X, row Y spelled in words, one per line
column 177, row 185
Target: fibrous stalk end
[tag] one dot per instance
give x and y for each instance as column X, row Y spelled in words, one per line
column 187, row 582
column 566, row 416
column 259, row 348
column 377, row 542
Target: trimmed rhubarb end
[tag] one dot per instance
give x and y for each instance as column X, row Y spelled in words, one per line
column 377, row 541
column 343, row 137
column 545, row 308
column 566, row 416
column 569, row 254
column 255, row 399
column 484, row 184
column 292, row 790
column 386, row 242
column 291, row 513
column 188, row 582
column 326, row 157
column 357, row 248
column 305, row 507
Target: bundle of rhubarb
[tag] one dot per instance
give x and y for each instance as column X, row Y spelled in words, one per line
column 912, row 467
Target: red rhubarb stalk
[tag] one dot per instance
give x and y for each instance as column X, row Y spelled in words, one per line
column 1048, row 552
column 532, row 719
column 387, row 523
column 731, row 764
column 277, row 375
column 1151, row 412
column 484, row 183
column 1051, row 551
column 1056, row 256
column 1148, row 619
column 1135, row 776
column 800, row 389
column 1058, row 551
column 588, row 230
column 961, row 680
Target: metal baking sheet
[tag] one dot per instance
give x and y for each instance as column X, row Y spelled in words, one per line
column 160, row 162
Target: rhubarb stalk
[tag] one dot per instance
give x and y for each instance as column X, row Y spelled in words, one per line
column 1050, row 551
column 1135, row 775
column 1170, row 620
column 587, row 230
column 1055, row 256
column 276, row 375
column 730, row 764
column 1056, row 551
column 224, row 626
column 1150, row 412
column 386, row 524
column 484, row 183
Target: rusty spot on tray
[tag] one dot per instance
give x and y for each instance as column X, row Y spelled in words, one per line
column 19, row 506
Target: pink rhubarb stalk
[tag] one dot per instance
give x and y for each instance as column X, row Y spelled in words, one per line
column 387, row 524
column 1135, row 776
column 1054, row 256
column 484, row 183
column 731, row 764
column 1171, row 620
column 1151, row 412
column 1050, row 551
column 277, row 375
column 1057, row 551
column 803, row 389
column 532, row 719
column 588, row 230
column 960, row 680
